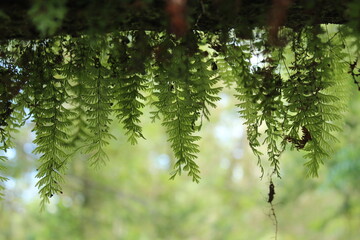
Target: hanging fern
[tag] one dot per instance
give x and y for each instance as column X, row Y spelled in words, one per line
column 51, row 120
column 300, row 108
column 75, row 69
column 15, row 121
column 175, row 105
column 98, row 101
column 3, row 148
column 238, row 57
column 313, row 98
column 74, row 86
column 128, row 73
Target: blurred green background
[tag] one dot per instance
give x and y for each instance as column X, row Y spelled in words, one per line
column 131, row 197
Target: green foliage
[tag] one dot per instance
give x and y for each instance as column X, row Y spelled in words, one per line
column 184, row 88
column 132, row 198
column 259, row 90
column 52, row 121
column 128, row 66
column 97, row 99
column 238, row 57
column 351, row 30
column 300, row 105
column 12, row 114
column 315, row 106
column 75, row 68
column 48, row 15
column 75, row 86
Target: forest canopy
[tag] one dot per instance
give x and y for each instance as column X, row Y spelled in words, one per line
column 73, row 67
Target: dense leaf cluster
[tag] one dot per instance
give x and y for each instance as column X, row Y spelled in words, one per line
column 75, row 87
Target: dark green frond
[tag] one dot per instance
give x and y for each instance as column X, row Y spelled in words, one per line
column 129, row 80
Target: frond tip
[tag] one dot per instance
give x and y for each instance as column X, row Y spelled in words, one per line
column 2, row 178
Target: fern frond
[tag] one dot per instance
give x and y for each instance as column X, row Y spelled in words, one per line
column 75, row 69
column 3, row 179
column 313, row 96
column 203, row 79
column 238, row 58
column 178, row 103
column 129, row 82
column 98, row 101
column 51, row 125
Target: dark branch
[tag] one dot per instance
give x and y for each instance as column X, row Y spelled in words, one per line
column 84, row 16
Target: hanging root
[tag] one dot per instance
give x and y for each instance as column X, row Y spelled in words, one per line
column 272, row 214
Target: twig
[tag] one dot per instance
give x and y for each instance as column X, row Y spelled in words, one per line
column 353, row 74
